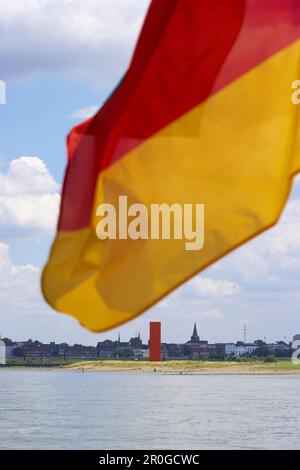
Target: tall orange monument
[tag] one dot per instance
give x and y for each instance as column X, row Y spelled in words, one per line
column 155, row 341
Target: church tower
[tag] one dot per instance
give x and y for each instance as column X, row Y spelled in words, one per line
column 195, row 338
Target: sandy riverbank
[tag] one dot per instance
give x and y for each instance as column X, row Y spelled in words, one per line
column 190, row 367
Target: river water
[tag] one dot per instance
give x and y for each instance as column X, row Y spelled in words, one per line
column 48, row 409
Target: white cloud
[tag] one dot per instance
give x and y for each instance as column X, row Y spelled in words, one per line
column 210, row 314
column 85, row 113
column 271, row 258
column 93, row 39
column 24, row 313
column 212, row 287
column 285, row 237
column 27, row 175
column 19, row 283
column 29, row 198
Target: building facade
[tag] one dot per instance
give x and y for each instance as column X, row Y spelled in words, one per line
column 195, row 348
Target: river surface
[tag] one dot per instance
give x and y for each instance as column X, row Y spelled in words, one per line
column 46, row 409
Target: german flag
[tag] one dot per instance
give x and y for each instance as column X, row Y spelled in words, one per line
column 203, row 115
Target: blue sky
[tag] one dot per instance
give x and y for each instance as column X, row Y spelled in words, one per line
column 59, row 58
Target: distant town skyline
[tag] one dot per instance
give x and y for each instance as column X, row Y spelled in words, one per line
column 153, row 349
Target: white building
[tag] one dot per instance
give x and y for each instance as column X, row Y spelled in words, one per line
column 229, row 348
column 243, row 349
column 239, row 349
column 141, row 353
column 2, row 353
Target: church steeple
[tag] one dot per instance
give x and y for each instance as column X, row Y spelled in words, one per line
column 195, row 338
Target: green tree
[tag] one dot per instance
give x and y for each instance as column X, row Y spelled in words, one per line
column 124, row 353
column 18, row 352
column 270, row 358
column 262, row 351
column 8, row 342
column 260, row 343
